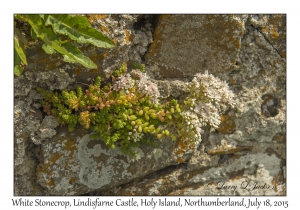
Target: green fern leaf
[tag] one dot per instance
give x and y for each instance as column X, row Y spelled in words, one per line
column 78, row 29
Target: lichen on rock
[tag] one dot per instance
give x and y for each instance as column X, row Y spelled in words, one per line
column 247, row 149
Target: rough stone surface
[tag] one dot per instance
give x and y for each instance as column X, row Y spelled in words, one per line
column 273, row 27
column 26, row 120
column 184, row 45
column 255, row 130
column 45, row 131
column 246, row 155
column 243, row 175
column 73, row 164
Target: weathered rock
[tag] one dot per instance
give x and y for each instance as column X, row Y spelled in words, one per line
column 254, row 130
column 72, row 164
column 273, row 27
column 248, row 174
column 26, row 121
column 248, row 148
column 184, row 45
column 45, row 131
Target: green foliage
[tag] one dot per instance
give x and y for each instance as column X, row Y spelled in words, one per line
column 19, row 52
column 122, row 117
column 48, row 28
column 139, row 66
column 122, row 70
column 127, row 112
column 78, row 29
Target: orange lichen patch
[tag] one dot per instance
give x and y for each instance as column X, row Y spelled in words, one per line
column 55, row 157
column 104, row 29
column 181, row 147
column 275, row 32
column 77, row 71
column 232, row 81
column 180, row 160
column 130, row 193
column 70, row 146
column 115, row 41
column 128, row 37
column 101, row 27
column 277, row 180
column 72, row 180
column 51, row 183
column 227, row 125
column 44, row 61
column 280, row 138
column 157, row 35
column 96, row 57
column 43, row 169
column 218, row 24
column 94, row 71
column 94, row 18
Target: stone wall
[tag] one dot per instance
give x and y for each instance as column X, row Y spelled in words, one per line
column 246, row 155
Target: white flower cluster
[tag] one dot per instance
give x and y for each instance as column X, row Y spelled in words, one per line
column 213, row 88
column 141, row 80
column 207, row 95
column 208, row 113
column 125, row 82
column 145, row 85
column 192, row 125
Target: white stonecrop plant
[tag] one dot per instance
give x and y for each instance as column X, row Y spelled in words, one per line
column 124, row 83
column 207, row 99
column 141, row 80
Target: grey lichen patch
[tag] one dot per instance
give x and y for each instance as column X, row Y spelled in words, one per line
column 73, row 164
column 251, row 170
column 98, row 174
column 111, row 166
column 258, row 20
column 57, row 169
column 270, row 163
column 55, row 79
column 45, row 131
column 172, row 88
column 21, row 86
column 50, row 122
column 157, row 153
column 270, row 105
column 25, row 122
column 141, row 41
